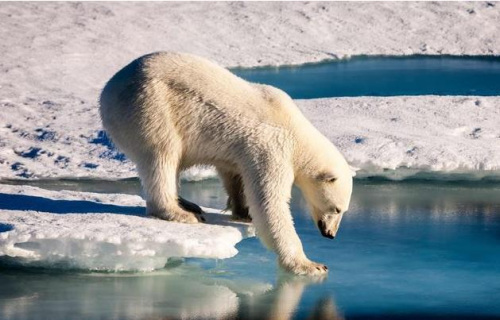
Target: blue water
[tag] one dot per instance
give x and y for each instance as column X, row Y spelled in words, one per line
column 384, row 76
column 404, row 250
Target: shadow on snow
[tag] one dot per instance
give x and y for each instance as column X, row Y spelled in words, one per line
column 34, row 203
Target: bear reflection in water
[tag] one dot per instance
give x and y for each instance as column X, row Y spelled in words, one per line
column 282, row 303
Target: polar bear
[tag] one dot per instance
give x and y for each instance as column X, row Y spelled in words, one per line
column 169, row 111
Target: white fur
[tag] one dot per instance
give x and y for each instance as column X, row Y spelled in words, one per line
column 170, row 111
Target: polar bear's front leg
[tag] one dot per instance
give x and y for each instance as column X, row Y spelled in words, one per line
column 268, row 194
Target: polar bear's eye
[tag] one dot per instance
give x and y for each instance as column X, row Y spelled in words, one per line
column 326, row 177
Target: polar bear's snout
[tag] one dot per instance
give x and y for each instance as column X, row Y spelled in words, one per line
column 329, row 224
column 324, row 232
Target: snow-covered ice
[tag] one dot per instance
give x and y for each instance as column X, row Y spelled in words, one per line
column 104, row 231
column 445, row 137
column 71, row 49
column 432, row 135
column 57, row 56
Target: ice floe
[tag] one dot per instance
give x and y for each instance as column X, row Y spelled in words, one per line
column 432, row 137
column 104, row 231
column 429, row 137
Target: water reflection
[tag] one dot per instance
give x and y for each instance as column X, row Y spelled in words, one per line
column 393, row 199
column 282, row 303
column 181, row 293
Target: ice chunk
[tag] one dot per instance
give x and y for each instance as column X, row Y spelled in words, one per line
column 104, row 231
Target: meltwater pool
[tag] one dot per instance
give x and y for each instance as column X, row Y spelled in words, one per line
column 384, row 76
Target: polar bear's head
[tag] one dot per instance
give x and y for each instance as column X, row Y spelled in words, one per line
column 327, row 188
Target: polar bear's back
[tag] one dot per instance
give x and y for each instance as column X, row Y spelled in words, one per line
column 198, row 75
column 167, row 96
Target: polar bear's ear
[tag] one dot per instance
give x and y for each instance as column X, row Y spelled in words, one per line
column 326, row 177
column 353, row 170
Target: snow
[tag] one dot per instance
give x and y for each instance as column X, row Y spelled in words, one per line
column 73, row 48
column 104, row 231
column 395, row 137
column 432, row 137
column 57, row 56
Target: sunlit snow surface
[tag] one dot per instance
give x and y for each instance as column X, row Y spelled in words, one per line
column 394, row 137
column 52, row 74
column 105, row 232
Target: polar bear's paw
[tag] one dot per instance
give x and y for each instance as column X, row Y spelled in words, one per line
column 179, row 215
column 189, row 206
column 306, row 267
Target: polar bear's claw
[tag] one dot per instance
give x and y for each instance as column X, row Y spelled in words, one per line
column 179, row 215
column 189, row 206
column 306, row 268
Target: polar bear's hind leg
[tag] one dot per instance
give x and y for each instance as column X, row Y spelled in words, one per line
column 189, row 206
column 236, row 197
column 159, row 179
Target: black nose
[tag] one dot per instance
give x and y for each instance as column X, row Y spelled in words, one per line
column 324, row 233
